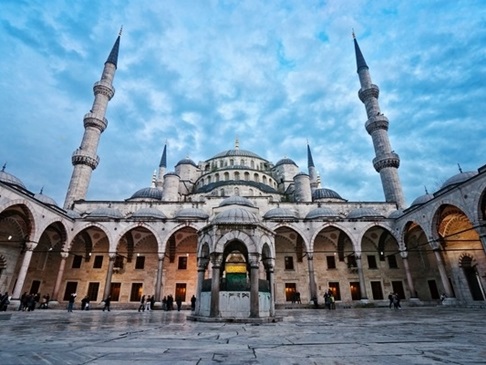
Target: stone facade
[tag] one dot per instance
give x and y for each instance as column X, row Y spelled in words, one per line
column 173, row 237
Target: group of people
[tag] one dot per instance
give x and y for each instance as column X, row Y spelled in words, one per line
column 146, row 303
column 28, row 302
column 329, row 300
column 394, row 301
column 4, row 302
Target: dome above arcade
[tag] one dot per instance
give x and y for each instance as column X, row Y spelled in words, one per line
column 45, row 199
column 235, row 215
column 459, row 178
column 422, row 199
column 10, row 179
column 105, row 212
column 147, row 193
column 321, row 213
column 149, row 213
column 280, row 214
column 191, row 213
column 364, row 213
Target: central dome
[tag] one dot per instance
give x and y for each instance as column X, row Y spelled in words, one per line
column 236, row 152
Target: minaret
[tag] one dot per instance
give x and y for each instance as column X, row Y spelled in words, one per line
column 386, row 162
column 312, row 169
column 162, row 167
column 85, row 159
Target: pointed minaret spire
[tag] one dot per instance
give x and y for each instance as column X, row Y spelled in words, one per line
column 85, row 159
column 237, row 143
column 159, row 182
column 312, row 169
column 460, row 169
column 386, row 162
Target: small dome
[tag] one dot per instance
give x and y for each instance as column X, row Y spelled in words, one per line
column 364, row 213
column 235, row 216
column 236, row 200
column 302, row 173
column 7, row 178
column 320, row 213
column 148, row 193
column 286, row 161
column 396, row 214
column 186, row 161
column 325, row 194
column 149, row 213
column 280, row 214
column 191, row 213
column 73, row 214
column 459, row 178
column 106, row 213
column 45, row 199
column 422, row 199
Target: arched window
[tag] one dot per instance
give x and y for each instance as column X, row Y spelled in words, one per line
column 232, row 162
column 236, row 191
column 247, row 176
column 256, row 177
column 209, row 179
column 264, row 179
column 250, row 192
column 226, row 176
column 252, row 164
column 237, row 175
column 216, row 177
column 221, row 192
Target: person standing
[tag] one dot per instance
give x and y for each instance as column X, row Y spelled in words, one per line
column 179, row 303
column 147, row 303
column 193, row 303
column 72, row 298
column 107, row 303
column 141, row 307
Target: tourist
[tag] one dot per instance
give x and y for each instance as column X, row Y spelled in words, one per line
column 4, row 302
column 193, row 303
column 390, row 298
column 141, row 307
column 107, row 303
column 147, row 303
column 72, row 298
column 179, row 303
column 152, row 302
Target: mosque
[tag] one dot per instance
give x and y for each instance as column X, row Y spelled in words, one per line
column 243, row 234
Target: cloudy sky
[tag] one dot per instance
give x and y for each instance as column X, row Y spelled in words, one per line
column 275, row 74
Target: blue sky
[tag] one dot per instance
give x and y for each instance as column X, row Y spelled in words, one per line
column 273, row 73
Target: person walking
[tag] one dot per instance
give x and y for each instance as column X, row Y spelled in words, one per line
column 72, row 298
column 193, row 303
column 147, row 303
column 107, row 303
column 141, row 307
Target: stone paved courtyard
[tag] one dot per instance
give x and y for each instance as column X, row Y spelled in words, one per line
column 431, row 335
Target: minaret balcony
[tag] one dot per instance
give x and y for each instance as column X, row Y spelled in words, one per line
column 104, row 88
column 376, row 122
column 93, row 120
column 372, row 91
column 388, row 159
column 81, row 157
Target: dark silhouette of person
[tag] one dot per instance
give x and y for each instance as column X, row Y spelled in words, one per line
column 107, row 303
column 141, row 307
column 193, row 303
column 179, row 303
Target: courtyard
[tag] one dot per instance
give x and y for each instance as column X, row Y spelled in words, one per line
column 412, row 335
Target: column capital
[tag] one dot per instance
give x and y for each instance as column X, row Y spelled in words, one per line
column 216, row 259
column 30, row 245
column 202, row 263
column 64, row 255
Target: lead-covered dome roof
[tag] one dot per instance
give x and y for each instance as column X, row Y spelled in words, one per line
column 10, row 179
column 45, row 199
column 148, row 193
column 422, row 199
column 286, row 161
column 186, row 161
column 191, row 213
column 236, row 200
column 323, row 193
column 364, row 213
column 236, row 152
column 105, row 212
column 321, row 213
column 280, row 214
column 459, row 178
column 235, row 215
column 149, row 213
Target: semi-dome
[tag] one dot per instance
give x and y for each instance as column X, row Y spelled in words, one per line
column 10, row 179
column 191, row 213
column 236, row 200
column 364, row 213
column 149, row 213
column 321, row 213
column 105, row 212
column 422, row 199
column 286, row 161
column 235, row 215
column 236, row 152
column 280, row 214
column 45, row 199
column 459, row 178
column 148, row 193
column 186, row 161
column 323, row 193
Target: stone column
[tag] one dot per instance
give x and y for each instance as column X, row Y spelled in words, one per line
column 271, row 282
column 411, row 288
column 29, row 248
column 443, row 274
column 201, row 270
column 158, row 282
column 362, row 282
column 254, row 299
column 312, row 278
column 60, row 273
column 109, row 274
column 216, row 260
